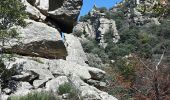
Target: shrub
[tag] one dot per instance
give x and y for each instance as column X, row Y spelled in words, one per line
column 12, row 12
column 36, row 96
column 5, row 76
column 126, row 69
column 70, row 89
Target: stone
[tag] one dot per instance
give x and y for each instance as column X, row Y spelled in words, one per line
column 66, row 68
column 54, row 84
column 75, row 50
column 38, row 40
column 39, row 83
column 88, row 92
column 4, row 97
column 7, row 91
column 62, row 14
column 23, row 88
column 97, row 84
column 26, row 76
column 34, row 13
column 96, row 74
column 65, row 13
column 43, row 74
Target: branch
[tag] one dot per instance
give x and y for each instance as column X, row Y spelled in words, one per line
column 160, row 60
column 144, row 64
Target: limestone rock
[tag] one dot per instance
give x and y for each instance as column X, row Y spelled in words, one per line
column 62, row 67
column 54, row 84
column 61, row 13
column 75, row 50
column 88, row 92
column 33, row 12
column 97, row 26
column 39, row 83
column 37, row 39
column 23, row 88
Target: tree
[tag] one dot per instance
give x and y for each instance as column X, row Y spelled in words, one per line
column 12, row 12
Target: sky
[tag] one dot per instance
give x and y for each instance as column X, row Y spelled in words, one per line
column 88, row 5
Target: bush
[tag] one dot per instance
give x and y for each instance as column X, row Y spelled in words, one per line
column 36, row 96
column 70, row 89
column 126, row 69
column 12, row 12
column 5, row 76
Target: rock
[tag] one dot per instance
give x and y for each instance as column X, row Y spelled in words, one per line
column 96, row 26
column 23, row 88
column 75, row 50
column 39, row 83
column 33, row 12
column 65, row 96
column 54, row 84
column 26, row 76
column 38, row 40
column 96, row 83
column 85, row 27
column 4, row 97
column 63, row 67
column 96, row 74
column 7, row 91
column 65, row 13
column 43, row 73
column 24, row 85
column 106, row 26
column 88, row 92
column 61, row 13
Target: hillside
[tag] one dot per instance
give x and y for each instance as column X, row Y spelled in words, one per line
column 131, row 43
column 121, row 53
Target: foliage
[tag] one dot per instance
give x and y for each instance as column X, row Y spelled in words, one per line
column 12, row 12
column 36, row 96
column 70, row 89
column 5, row 74
column 91, row 46
column 102, row 9
column 126, row 69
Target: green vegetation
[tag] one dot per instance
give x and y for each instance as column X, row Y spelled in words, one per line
column 68, row 88
column 36, row 96
column 12, row 12
column 132, row 77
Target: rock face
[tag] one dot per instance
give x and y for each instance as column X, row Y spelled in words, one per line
column 43, row 61
column 139, row 16
column 60, row 13
column 75, row 50
column 50, row 74
column 96, row 26
column 37, row 39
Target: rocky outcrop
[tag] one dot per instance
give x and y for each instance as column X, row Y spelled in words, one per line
column 62, row 14
column 41, row 73
column 96, row 26
column 75, row 50
column 37, row 39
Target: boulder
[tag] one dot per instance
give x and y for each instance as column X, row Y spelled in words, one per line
column 62, row 13
column 34, row 13
column 39, row 83
column 54, row 84
column 62, row 67
column 88, row 92
column 38, row 40
column 75, row 50
column 23, row 88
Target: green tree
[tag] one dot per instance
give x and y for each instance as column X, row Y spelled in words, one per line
column 12, row 12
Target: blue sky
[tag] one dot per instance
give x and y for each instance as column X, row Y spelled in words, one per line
column 88, row 5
